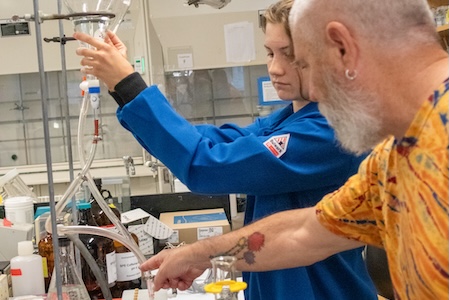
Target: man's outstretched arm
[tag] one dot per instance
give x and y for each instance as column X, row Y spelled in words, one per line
column 283, row 240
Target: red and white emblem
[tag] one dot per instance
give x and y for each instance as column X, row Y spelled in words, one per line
column 277, row 144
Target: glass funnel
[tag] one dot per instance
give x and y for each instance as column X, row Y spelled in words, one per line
column 108, row 13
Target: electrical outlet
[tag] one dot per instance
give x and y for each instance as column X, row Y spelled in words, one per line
column 4, row 289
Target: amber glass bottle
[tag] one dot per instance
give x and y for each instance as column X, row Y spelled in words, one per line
column 45, row 248
column 128, row 272
column 98, row 214
column 102, row 250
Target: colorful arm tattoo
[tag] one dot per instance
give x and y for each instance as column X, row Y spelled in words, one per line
column 246, row 248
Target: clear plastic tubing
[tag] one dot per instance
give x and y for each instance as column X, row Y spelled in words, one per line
column 71, row 190
column 85, row 174
column 124, row 237
column 77, row 229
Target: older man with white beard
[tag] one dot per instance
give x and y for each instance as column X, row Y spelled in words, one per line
column 380, row 76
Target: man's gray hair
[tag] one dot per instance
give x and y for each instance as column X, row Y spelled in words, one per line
column 388, row 22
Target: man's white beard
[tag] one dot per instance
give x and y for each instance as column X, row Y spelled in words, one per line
column 355, row 116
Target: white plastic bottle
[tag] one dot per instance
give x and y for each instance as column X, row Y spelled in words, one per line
column 26, row 271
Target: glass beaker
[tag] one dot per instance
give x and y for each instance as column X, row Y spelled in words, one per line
column 72, row 285
column 224, row 285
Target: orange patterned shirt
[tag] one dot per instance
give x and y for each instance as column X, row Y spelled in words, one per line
column 399, row 201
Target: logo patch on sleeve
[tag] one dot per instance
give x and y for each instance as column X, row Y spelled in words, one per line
column 277, row 144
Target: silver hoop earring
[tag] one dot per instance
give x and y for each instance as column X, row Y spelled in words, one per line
column 351, row 76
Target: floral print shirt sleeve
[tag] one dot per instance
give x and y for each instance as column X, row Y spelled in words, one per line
column 399, row 200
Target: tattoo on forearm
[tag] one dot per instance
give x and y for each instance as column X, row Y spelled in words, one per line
column 246, row 247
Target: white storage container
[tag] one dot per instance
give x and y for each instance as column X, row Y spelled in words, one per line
column 19, row 210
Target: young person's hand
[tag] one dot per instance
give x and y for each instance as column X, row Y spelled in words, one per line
column 105, row 60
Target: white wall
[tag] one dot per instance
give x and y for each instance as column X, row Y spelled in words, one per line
column 178, row 8
column 202, row 30
column 174, row 25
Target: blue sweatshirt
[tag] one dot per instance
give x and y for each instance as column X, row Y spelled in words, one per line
column 283, row 161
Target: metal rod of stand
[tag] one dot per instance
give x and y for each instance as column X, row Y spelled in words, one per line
column 44, row 99
column 67, row 119
column 65, row 96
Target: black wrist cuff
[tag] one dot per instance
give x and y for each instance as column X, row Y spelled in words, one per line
column 129, row 88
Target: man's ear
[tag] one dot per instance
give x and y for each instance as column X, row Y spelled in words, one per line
column 342, row 44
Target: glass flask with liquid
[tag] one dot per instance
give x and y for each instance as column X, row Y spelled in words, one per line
column 72, row 284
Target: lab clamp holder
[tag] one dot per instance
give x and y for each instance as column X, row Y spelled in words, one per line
column 93, row 17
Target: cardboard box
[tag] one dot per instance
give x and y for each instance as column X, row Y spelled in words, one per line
column 193, row 225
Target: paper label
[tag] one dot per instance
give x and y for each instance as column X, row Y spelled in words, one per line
column 45, row 267
column 174, row 238
column 16, row 272
column 145, row 240
column 111, row 266
column 127, row 266
column 207, row 232
column 133, row 215
column 183, row 219
column 157, row 229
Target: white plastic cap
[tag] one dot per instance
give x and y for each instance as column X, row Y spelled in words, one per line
column 25, row 248
column 84, row 86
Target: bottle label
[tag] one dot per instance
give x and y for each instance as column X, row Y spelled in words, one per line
column 207, row 232
column 16, row 272
column 45, row 267
column 111, row 267
column 127, row 267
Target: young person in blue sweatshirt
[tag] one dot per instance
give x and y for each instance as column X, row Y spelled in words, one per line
column 289, row 159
